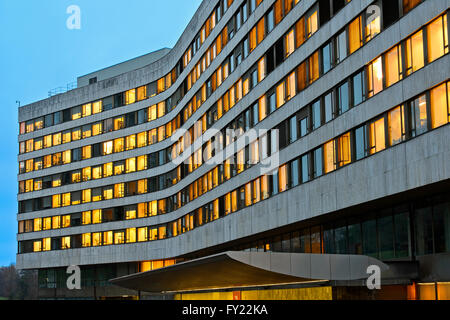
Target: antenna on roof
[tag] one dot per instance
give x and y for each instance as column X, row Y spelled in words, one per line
column 18, row 102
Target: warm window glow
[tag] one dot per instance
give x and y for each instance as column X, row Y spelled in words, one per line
column 414, row 52
column 328, row 156
column 312, row 24
column 355, row 35
column 393, row 63
column 396, row 126
column 437, row 38
column 289, row 43
column 130, row 96
column 439, row 106
column 282, row 178
column 377, row 136
column 344, row 150
column 375, row 75
column 86, row 240
column 65, row 243
column 373, row 27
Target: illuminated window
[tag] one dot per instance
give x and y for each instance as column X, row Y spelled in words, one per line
column 118, row 145
column 131, row 235
column 393, row 64
column 355, row 35
column 87, row 110
column 414, row 52
column 107, row 238
column 46, row 244
column 130, row 96
column 440, row 114
column 344, row 150
column 311, row 24
column 56, row 222
column 86, row 195
column 373, row 25
column 329, row 156
column 313, row 67
column 301, row 76
column 86, row 240
column 47, row 223
column 142, row 139
column 65, row 243
column 419, row 115
column 107, row 147
column 280, row 95
column 97, row 216
column 142, row 163
column 142, row 234
column 97, row 172
column 283, row 178
column 437, row 38
column 377, row 140
column 86, row 217
column 161, row 108
column 119, row 237
column 119, row 123
column 96, row 128
column 261, row 69
column 119, row 190
column 107, row 193
column 65, row 199
column 408, row 5
column 396, row 126
column 37, row 224
column 130, row 165
column 289, row 43
column 375, row 76
column 65, row 221
column 76, row 113
column 264, row 187
column 142, row 186
column 161, row 82
column 37, row 246
column 48, row 141
column 142, row 93
column 96, row 239
column 97, row 107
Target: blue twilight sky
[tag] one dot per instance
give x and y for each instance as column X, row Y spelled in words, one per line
column 38, row 53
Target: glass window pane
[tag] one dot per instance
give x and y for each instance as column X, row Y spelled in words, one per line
column 386, row 237
column 441, row 225
column 414, row 53
column 437, row 38
column 419, row 115
column 423, row 231
column 438, row 106
column 402, row 236
column 369, row 232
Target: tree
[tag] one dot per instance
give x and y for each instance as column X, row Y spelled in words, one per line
column 15, row 285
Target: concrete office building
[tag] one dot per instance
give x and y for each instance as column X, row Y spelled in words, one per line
column 359, row 94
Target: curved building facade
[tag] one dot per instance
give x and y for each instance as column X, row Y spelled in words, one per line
column 275, row 139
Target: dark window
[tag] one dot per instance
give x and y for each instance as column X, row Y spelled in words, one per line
column 424, row 231
column 385, row 237
column 369, row 233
